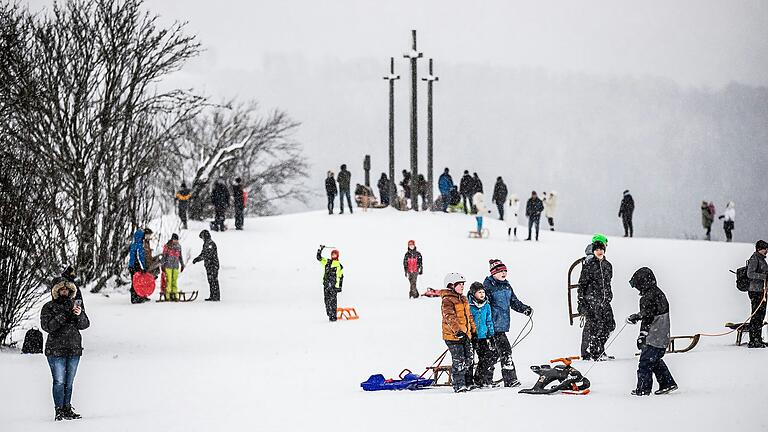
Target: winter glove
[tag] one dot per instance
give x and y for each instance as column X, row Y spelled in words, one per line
column 633, row 319
column 641, row 340
column 528, row 311
column 460, row 335
column 721, row 216
column 421, row 271
column 196, row 260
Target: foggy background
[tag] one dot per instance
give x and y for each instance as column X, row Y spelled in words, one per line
column 669, row 100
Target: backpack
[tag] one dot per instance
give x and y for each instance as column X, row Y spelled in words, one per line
column 33, row 342
column 742, row 281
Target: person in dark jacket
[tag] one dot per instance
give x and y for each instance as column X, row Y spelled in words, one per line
column 626, row 209
column 422, row 189
column 69, row 275
column 333, row 279
column 502, row 299
column 445, row 184
column 500, row 196
column 707, row 217
column 62, row 318
column 344, row 178
column 757, row 272
column 412, row 266
column 454, row 197
column 330, row 191
column 477, row 183
column 482, row 341
column 406, row 184
column 182, row 199
column 383, row 186
column 595, row 296
column 654, row 335
column 467, row 191
column 533, row 209
column 220, row 201
column 210, row 257
column 238, row 199
column 137, row 263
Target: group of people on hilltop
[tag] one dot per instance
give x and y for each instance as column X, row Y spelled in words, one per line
column 221, row 194
column 728, row 217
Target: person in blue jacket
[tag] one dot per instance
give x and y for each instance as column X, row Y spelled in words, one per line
column 445, row 184
column 137, row 262
column 483, row 340
column 502, row 299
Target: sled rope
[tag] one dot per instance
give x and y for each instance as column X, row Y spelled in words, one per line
column 606, row 347
column 520, row 336
column 743, row 323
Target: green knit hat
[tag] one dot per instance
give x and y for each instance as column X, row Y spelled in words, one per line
column 601, row 238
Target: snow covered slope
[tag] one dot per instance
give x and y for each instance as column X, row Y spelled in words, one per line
column 266, row 358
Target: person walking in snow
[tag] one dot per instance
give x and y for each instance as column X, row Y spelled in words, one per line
column 63, row 318
column 172, row 266
column 707, row 217
column 480, row 211
column 238, row 199
column 550, row 205
column 445, row 184
column 182, row 199
column 209, row 255
column 729, row 217
column 513, row 209
column 412, row 266
column 383, row 186
column 500, row 196
column 344, row 178
column 757, row 272
column 333, row 279
column 654, row 335
column 533, row 209
column 330, row 191
column 626, row 209
column 482, row 340
column 467, row 190
column 220, row 199
column 595, row 296
column 502, row 298
column 458, row 328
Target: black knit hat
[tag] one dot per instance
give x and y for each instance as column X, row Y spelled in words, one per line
column 174, row 236
column 760, row 245
column 475, row 287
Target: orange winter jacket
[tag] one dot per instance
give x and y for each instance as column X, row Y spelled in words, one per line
column 456, row 315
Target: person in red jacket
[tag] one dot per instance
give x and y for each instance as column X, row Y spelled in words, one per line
column 412, row 267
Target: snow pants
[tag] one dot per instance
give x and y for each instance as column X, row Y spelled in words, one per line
column 504, row 356
column 171, row 283
column 63, row 370
column 500, row 207
column 626, row 219
column 183, row 216
column 598, row 326
column 412, row 279
column 239, row 218
column 486, row 356
column 329, row 295
column 728, row 228
column 213, row 282
column 446, row 198
column 345, row 193
column 758, row 311
column 479, row 220
column 651, row 363
column 462, row 359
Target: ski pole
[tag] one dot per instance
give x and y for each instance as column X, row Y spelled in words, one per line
column 607, row 346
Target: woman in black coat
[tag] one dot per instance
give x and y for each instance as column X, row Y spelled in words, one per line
column 62, row 318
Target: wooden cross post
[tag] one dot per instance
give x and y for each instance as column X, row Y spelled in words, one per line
column 391, row 78
column 414, row 55
column 430, row 79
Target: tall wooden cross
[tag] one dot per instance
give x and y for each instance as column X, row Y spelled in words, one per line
column 430, row 79
column 414, row 55
column 392, row 78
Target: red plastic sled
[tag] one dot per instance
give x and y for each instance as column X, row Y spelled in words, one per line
column 143, row 284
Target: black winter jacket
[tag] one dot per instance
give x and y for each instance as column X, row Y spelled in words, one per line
column 330, row 186
column 500, row 193
column 344, row 178
column 237, row 196
column 220, row 195
column 62, row 325
column 534, row 207
column 627, row 206
column 654, row 309
column 467, row 185
column 595, row 286
column 209, row 255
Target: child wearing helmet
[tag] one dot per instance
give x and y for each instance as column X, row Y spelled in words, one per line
column 458, row 328
column 412, row 267
column 333, row 278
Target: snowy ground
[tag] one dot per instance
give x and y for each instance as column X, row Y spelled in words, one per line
column 266, row 358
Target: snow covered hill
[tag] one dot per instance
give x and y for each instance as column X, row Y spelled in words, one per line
column 266, row 357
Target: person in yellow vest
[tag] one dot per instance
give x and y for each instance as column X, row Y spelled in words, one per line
column 333, row 278
column 183, row 196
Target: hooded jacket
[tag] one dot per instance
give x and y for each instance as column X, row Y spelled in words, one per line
column 481, row 313
column 550, row 205
column 445, row 183
column 501, row 297
column 209, row 254
column 499, row 192
column 627, row 206
column 534, row 207
column 757, row 272
column 61, row 324
column 456, row 315
column 136, row 259
column 654, row 309
column 479, row 201
column 412, row 261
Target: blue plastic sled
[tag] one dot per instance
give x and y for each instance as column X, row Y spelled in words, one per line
column 409, row 381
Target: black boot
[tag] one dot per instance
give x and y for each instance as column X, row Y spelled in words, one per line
column 59, row 414
column 70, row 413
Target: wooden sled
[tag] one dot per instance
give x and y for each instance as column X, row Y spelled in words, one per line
column 572, row 286
column 741, row 329
column 182, row 295
column 438, row 371
column 693, row 340
column 485, row 233
column 346, row 314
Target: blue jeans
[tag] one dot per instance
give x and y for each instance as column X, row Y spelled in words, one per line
column 479, row 220
column 445, row 201
column 63, row 370
column 651, row 364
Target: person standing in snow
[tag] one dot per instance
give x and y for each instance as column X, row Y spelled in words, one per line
column 480, row 211
column 172, row 265
column 467, row 190
column 550, row 205
column 707, row 217
column 458, row 328
column 182, row 198
column 330, row 191
column 69, row 275
column 654, row 335
column 482, row 340
column 406, row 185
column 238, row 198
column 513, row 208
column 478, row 185
column 412, row 266
column 729, row 223
column 383, row 186
column 502, row 298
column 445, row 184
column 626, row 209
column 500, row 196
column 220, row 201
column 345, row 178
column 757, row 272
column 533, row 209
column 210, row 257
column 137, row 263
column 333, row 279
column 595, row 296
column 63, row 318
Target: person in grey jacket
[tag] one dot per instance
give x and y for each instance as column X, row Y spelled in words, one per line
column 654, row 335
column 757, row 271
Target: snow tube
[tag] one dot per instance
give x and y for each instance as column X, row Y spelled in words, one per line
column 410, row 381
column 143, row 284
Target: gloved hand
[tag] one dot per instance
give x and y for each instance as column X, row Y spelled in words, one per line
column 633, row 319
column 421, row 271
column 460, row 335
column 194, row 261
column 641, row 341
column 491, row 344
column 528, row 312
column 406, row 274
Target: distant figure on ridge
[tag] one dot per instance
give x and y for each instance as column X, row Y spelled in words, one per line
column 182, row 198
column 383, row 186
column 550, row 205
column 445, row 184
column 729, row 217
column 500, row 196
column 626, row 209
column 330, row 191
column 344, row 179
column 467, row 190
column 533, row 209
column 707, row 217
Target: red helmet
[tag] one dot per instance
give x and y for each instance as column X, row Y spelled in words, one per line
column 335, row 254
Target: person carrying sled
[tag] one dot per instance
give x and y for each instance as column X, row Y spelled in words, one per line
column 330, row 191
column 63, row 318
column 502, row 298
column 412, row 267
column 137, row 262
column 220, row 201
column 238, row 199
column 482, row 340
column 757, row 272
column 333, row 279
column 626, row 209
column 729, row 217
column 210, row 257
column 458, row 328
column 513, row 208
column 595, row 296
column 707, row 217
column 182, row 199
column 654, row 335
column 172, row 265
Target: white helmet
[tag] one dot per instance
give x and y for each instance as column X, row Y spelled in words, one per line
column 452, row 278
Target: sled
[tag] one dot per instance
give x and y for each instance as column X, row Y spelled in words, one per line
column 438, row 370
column 693, row 341
column 346, row 314
column 572, row 286
column 571, row 381
column 485, row 233
column 407, row 381
column 431, row 292
column 143, row 284
column 741, row 329
column 182, row 297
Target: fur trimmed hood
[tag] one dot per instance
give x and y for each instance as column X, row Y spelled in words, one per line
column 71, row 288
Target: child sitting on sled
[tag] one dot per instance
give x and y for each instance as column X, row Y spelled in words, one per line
column 458, row 328
column 482, row 341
